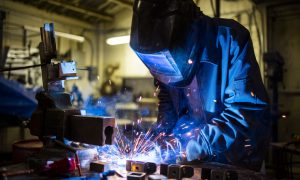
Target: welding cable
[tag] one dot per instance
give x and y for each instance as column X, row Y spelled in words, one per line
column 20, row 68
column 213, row 8
column 33, row 66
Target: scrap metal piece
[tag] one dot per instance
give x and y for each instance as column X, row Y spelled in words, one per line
column 218, row 174
column 164, row 169
column 186, row 171
column 174, row 171
column 136, row 176
column 138, row 166
column 205, row 173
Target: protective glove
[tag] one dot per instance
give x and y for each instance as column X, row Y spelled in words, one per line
column 194, row 145
column 194, row 151
column 185, row 130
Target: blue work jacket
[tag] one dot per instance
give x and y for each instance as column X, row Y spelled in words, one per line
column 226, row 98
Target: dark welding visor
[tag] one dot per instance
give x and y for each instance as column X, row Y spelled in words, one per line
column 164, row 35
column 160, row 24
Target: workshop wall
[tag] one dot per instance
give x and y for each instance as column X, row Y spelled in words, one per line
column 286, row 41
column 130, row 65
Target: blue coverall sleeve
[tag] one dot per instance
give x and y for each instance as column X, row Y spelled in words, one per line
column 240, row 132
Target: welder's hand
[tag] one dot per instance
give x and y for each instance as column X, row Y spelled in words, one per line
column 195, row 151
column 169, row 149
column 186, row 129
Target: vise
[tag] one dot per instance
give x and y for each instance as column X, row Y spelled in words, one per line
column 55, row 116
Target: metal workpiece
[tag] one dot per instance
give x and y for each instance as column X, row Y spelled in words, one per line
column 164, row 169
column 99, row 166
column 205, row 173
column 186, row 171
column 92, row 129
column 136, row 176
column 138, row 166
column 176, row 171
column 219, row 174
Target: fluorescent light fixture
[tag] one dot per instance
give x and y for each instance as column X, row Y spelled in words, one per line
column 59, row 34
column 70, row 36
column 118, row 40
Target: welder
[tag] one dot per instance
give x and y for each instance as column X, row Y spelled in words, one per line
column 211, row 92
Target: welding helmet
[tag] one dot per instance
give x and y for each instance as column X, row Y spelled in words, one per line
column 164, row 37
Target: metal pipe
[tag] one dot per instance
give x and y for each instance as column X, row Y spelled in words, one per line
column 2, row 17
column 218, row 4
column 122, row 3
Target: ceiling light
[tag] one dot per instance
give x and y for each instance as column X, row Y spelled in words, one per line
column 59, row 34
column 118, row 40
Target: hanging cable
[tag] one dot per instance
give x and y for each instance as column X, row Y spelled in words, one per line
column 212, row 7
column 20, row 68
